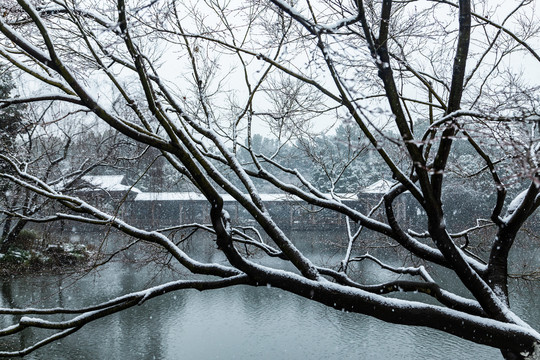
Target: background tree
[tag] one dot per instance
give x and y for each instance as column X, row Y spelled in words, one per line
column 381, row 65
column 58, row 154
column 12, row 123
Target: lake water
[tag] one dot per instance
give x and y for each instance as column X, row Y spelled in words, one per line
column 236, row 323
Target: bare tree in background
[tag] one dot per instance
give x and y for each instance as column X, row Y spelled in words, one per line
column 60, row 155
column 198, row 80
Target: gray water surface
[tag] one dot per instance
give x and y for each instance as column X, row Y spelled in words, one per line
column 235, row 323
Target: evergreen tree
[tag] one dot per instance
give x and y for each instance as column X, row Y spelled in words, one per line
column 11, row 117
column 11, row 123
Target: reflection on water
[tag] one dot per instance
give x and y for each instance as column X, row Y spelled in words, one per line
column 236, row 323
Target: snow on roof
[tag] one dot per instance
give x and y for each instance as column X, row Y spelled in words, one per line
column 347, row 196
column 378, row 187
column 195, row 196
column 169, row 196
column 109, row 182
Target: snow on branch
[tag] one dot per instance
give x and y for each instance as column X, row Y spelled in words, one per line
column 24, row 44
column 523, row 204
column 37, row 345
column 315, row 28
column 296, row 15
column 477, row 114
column 52, row 97
column 415, row 271
column 353, row 237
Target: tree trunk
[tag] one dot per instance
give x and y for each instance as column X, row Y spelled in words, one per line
column 5, row 234
column 11, row 237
